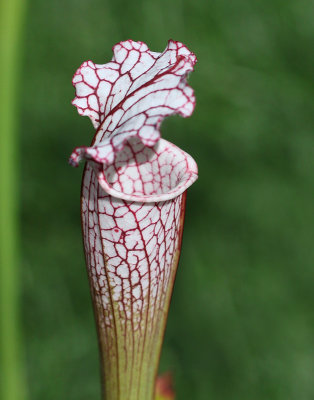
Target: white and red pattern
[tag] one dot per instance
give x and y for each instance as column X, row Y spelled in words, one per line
column 139, row 238
column 133, row 203
column 131, row 95
column 132, row 251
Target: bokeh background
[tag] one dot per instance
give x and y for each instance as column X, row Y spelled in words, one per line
column 241, row 324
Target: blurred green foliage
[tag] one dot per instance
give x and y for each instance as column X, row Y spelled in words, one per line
column 241, row 320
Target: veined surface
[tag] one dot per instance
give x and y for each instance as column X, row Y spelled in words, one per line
column 131, row 95
column 133, row 204
column 132, row 253
column 148, row 174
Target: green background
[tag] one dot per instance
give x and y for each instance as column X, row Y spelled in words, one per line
column 241, row 324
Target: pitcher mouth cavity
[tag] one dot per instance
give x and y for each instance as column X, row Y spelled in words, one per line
column 147, row 174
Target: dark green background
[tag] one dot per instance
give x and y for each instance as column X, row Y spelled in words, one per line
column 241, row 324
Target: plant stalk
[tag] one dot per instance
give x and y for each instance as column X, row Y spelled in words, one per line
column 11, row 22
